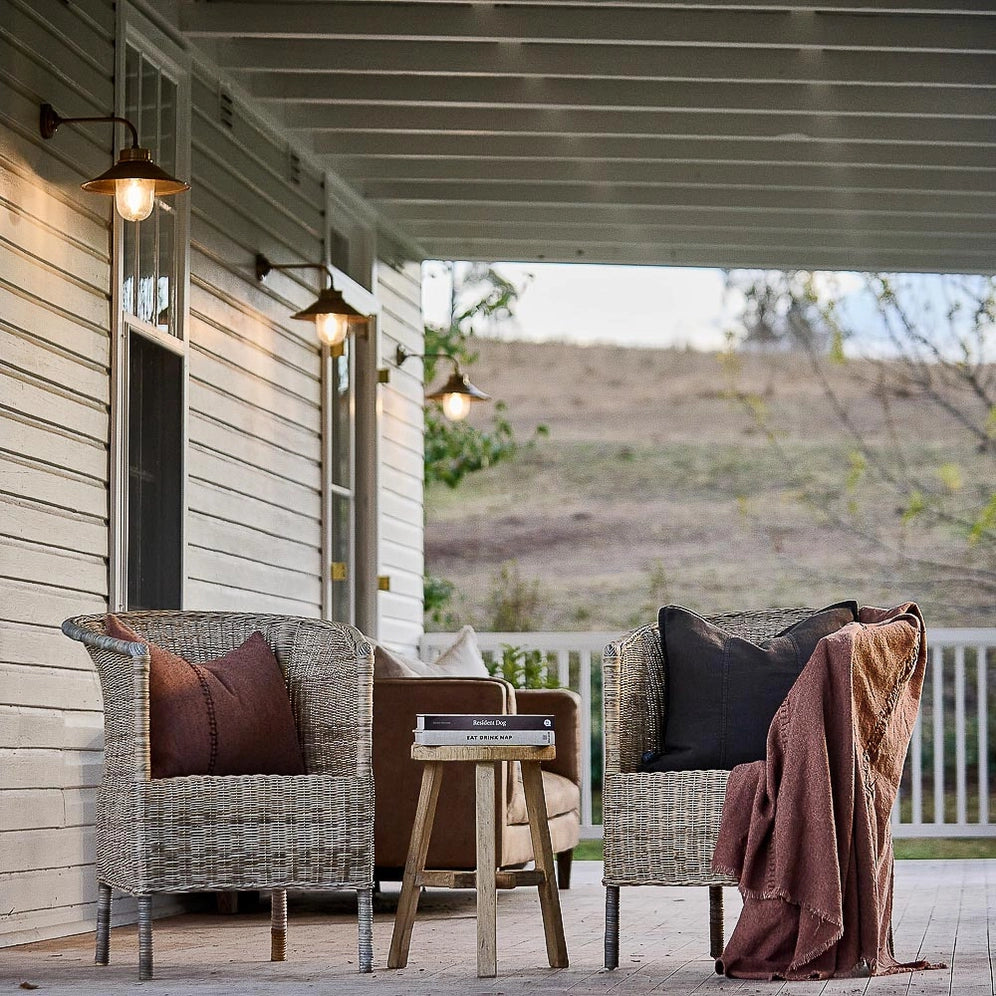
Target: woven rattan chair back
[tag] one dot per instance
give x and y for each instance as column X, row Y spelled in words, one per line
column 660, row 828
column 249, row 832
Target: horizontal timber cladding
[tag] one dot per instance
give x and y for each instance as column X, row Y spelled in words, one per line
column 253, row 422
column 400, row 457
column 55, row 317
column 254, row 485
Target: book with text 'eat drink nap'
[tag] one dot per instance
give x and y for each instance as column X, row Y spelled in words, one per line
column 484, row 738
column 482, row 722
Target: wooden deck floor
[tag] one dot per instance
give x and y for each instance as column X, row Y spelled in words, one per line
column 942, row 913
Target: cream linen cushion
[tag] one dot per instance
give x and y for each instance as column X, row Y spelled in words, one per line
column 462, row 659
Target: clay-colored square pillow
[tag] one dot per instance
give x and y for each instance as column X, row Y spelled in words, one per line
column 229, row 716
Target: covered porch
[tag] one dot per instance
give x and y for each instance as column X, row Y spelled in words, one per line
column 373, row 136
column 942, row 914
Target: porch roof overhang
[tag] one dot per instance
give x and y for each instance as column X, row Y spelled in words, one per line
column 837, row 135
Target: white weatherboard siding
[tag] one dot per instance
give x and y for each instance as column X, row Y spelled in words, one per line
column 253, row 486
column 54, row 395
column 254, row 522
column 401, row 521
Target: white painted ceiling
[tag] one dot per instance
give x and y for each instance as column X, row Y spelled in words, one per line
column 840, row 135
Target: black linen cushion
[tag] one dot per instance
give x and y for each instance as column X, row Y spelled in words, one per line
column 723, row 691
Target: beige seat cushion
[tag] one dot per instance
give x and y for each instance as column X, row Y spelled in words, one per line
column 562, row 796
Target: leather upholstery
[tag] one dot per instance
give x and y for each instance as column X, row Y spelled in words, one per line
column 397, row 777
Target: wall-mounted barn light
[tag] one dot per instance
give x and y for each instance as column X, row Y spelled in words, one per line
column 456, row 394
column 134, row 181
column 329, row 311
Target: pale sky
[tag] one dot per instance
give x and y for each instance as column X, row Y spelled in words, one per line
column 589, row 303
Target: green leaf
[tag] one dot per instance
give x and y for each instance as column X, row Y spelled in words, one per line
column 858, row 466
column 951, row 476
column 917, row 505
column 985, row 522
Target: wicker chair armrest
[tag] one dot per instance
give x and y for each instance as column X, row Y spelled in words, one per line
column 329, row 671
column 125, row 648
column 633, row 697
column 123, row 669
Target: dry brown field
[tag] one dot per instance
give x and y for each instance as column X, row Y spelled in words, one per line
column 656, row 485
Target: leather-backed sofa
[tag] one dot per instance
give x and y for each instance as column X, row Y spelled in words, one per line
column 397, row 777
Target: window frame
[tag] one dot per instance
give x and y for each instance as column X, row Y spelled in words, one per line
column 137, row 31
column 361, row 569
column 334, row 491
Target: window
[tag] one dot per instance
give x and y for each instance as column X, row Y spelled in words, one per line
column 150, row 261
column 149, row 356
column 155, row 457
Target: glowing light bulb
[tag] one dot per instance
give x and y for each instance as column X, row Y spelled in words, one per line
column 332, row 329
column 456, row 406
column 134, row 198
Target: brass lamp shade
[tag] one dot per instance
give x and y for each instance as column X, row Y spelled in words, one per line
column 458, row 384
column 457, row 394
column 134, row 181
column 331, row 315
column 329, row 302
column 135, row 164
column 329, row 311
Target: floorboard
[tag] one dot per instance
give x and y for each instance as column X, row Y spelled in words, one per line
column 942, row 913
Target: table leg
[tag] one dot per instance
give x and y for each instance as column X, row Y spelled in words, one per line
column 418, row 848
column 487, row 897
column 549, row 896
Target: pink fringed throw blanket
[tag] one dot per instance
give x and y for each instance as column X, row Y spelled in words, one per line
column 806, row 831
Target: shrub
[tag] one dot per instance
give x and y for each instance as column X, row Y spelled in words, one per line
column 515, row 605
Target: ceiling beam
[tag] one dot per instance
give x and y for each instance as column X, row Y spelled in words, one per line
column 779, row 199
column 800, row 175
column 775, row 199
column 354, row 151
column 497, row 59
column 742, row 255
column 582, row 233
column 735, row 26
column 675, row 123
column 741, row 217
column 730, row 94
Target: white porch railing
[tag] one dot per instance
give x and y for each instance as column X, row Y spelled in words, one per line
column 945, row 786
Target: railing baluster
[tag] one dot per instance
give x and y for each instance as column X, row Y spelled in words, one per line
column 938, row 711
column 564, row 668
column 982, row 667
column 584, row 680
column 916, row 773
column 960, row 793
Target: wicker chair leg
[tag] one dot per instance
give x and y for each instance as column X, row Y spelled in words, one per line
column 144, row 937
column 102, row 955
column 715, row 920
column 278, row 925
column 364, row 916
column 612, row 926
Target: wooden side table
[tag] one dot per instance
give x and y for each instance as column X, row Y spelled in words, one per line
column 486, row 879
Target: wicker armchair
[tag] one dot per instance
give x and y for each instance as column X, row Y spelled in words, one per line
column 226, row 833
column 660, row 828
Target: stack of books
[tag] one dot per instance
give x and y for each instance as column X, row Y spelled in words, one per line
column 483, row 730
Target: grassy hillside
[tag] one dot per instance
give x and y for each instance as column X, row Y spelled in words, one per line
column 655, row 485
